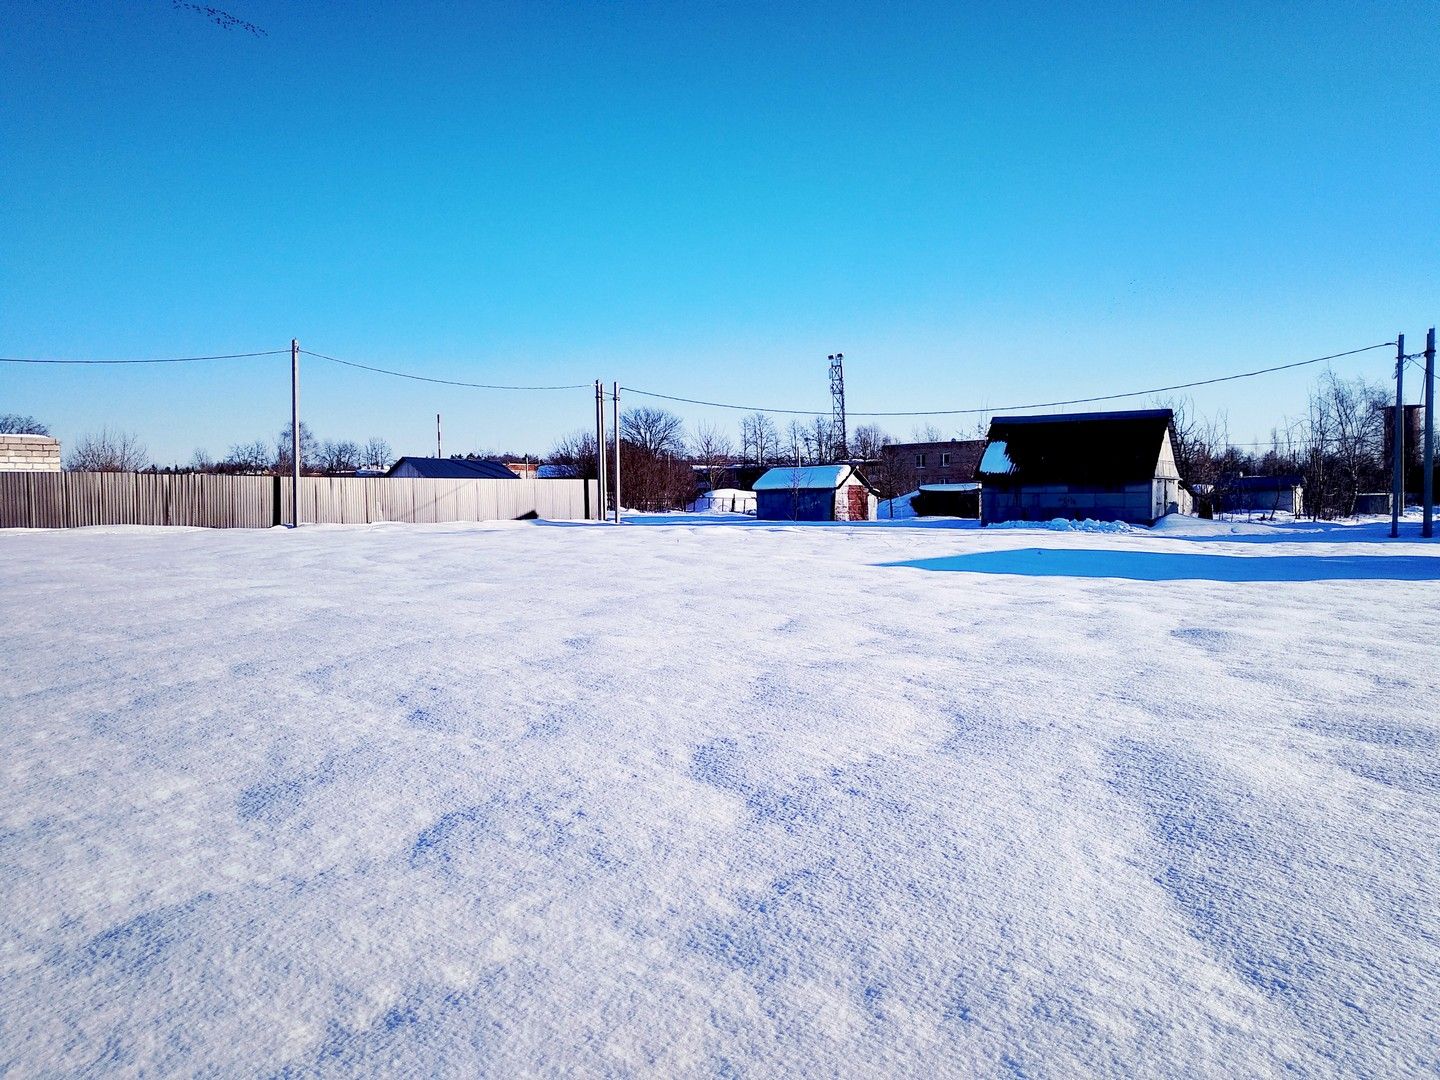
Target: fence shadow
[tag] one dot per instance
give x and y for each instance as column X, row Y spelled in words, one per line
column 1183, row 566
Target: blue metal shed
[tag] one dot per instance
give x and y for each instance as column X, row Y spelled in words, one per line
column 814, row 493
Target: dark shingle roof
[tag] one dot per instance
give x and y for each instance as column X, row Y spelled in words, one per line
column 1076, row 448
column 432, row 468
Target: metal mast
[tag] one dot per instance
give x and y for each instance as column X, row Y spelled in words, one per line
column 838, row 439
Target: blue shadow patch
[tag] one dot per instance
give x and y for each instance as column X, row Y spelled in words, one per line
column 1182, row 566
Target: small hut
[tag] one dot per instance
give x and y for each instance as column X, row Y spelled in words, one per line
column 814, row 493
column 1265, row 494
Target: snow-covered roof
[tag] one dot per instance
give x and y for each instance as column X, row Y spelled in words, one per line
column 790, row 477
column 996, row 460
column 949, row 487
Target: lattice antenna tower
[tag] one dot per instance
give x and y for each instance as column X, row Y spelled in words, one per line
column 838, row 436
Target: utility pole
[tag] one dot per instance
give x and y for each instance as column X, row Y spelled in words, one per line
column 1427, row 527
column 1397, row 493
column 294, row 433
column 439, row 451
column 601, row 466
column 616, row 387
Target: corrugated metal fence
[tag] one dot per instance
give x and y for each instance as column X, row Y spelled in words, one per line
column 73, row 499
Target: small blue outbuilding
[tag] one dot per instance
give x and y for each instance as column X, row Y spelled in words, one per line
column 814, row 493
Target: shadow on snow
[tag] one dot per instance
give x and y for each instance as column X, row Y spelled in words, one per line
column 1186, row 566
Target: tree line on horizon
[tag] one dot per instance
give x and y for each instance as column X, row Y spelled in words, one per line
column 1337, row 447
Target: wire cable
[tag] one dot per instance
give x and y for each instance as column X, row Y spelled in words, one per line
column 1014, row 408
column 443, row 382
column 156, row 360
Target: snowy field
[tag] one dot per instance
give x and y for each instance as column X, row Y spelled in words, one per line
column 719, row 798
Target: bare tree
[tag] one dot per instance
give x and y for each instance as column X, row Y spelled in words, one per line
column 15, row 424
column 377, row 454
column 893, row 474
column 109, row 451
column 926, row 433
column 820, row 441
column 309, row 449
column 200, row 461
column 250, row 458
column 759, row 439
column 1344, row 442
column 338, row 457
column 867, row 441
column 796, row 444
column 576, row 450
column 657, row 431
column 713, row 450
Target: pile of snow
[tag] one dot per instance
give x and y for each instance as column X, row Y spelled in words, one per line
column 1088, row 525
column 1184, row 525
column 724, row 501
column 521, row 799
column 898, row 508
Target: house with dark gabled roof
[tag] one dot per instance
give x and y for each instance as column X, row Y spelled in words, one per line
column 1116, row 466
column 442, row 468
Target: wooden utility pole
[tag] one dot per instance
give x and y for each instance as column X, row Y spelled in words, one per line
column 294, row 433
column 439, row 446
column 1397, row 493
column 601, row 468
column 616, row 387
column 1427, row 528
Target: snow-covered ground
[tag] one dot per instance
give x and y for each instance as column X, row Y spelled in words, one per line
column 715, row 797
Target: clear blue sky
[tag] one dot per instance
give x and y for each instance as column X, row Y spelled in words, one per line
column 979, row 204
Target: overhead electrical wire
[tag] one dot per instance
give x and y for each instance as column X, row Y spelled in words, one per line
column 718, row 404
column 1015, row 408
column 152, row 360
column 443, row 382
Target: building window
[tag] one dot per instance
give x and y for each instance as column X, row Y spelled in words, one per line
column 944, row 460
column 919, row 461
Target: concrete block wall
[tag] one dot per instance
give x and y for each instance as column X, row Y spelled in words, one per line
column 29, row 453
column 1133, row 503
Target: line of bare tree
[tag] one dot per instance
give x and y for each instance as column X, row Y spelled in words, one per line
column 328, row 457
column 1338, row 447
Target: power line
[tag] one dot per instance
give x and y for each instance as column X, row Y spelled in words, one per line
column 1010, row 408
column 443, row 382
column 155, row 360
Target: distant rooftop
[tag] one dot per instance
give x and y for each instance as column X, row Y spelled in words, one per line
column 432, row 468
column 805, row 477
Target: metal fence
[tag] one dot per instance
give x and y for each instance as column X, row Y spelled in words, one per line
column 73, row 499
